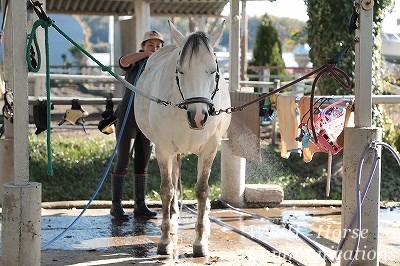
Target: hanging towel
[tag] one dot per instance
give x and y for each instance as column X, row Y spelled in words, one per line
column 310, row 148
column 288, row 119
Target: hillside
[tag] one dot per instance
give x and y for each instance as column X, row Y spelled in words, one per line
column 284, row 26
column 97, row 32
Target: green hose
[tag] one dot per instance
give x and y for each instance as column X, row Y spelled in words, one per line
column 32, row 37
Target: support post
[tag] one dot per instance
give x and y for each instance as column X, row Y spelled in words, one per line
column 6, row 155
column 142, row 20
column 16, row 78
column 234, row 41
column 233, row 173
column 243, row 42
column 119, row 88
column 202, row 23
column 363, row 66
column 111, row 39
column 233, row 167
column 355, row 141
column 21, row 226
column 21, row 200
column 39, row 87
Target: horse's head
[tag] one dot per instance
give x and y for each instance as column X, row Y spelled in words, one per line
column 197, row 73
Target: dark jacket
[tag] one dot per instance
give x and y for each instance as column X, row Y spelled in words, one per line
column 132, row 76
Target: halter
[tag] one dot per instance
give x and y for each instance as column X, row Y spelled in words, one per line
column 183, row 104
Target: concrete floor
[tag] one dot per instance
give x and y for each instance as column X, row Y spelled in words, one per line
column 96, row 239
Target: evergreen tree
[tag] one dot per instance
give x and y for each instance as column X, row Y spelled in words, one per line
column 267, row 48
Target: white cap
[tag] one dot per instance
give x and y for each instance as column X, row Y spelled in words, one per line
column 153, row 35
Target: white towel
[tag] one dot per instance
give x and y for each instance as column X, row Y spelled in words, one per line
column 289, row 121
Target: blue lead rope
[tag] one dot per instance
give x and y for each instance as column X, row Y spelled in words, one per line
column 105, row 173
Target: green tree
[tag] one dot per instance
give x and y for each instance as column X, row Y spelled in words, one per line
column 328, row 30
column 267, row 48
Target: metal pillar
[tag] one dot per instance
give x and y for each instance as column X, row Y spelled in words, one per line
column 233, row 172
column 16, row 79
column 234, row 41
column 363, row 67
column 39, row 86
column 233, row 167
column 356, row 139
column 6, row 155
column 21, row 225
column 111, row 40
column 243, row 42
column 142, row 20
column 201, row 21
column 20, row 236
column 118, row 89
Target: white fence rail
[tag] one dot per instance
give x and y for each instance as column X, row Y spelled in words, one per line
column 376, row 99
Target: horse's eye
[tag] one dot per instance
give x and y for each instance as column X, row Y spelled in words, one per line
column 180, row 72
column 212, row 72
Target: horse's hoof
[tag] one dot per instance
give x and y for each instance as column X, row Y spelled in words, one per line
column 200, row 251
column 165, row 249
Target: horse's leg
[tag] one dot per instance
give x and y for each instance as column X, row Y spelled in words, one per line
column 165, row 246
column 174, row 212
column 205, row 160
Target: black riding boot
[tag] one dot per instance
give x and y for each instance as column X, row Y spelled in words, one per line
column 140, row 208
column 117, row 183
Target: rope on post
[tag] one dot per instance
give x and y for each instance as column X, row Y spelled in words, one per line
column 34, row 66
column 45, row 22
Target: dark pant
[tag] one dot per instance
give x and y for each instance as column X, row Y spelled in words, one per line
column 133, row 142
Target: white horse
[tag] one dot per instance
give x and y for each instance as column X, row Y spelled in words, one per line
column 186, row 73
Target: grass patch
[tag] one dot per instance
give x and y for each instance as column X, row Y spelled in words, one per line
column 80, row 163
column 299, row 180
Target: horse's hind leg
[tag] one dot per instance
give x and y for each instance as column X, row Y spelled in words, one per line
column 165, row 246
column 200, row 245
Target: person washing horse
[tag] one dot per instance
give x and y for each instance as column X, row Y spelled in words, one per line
column 133, row 142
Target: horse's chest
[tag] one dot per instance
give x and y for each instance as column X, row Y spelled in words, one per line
column 178, row 137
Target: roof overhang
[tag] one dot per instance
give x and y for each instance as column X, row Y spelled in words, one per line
column 126, row 7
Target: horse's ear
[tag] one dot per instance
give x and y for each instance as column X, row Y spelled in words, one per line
column 215, row 36
column 175, row 34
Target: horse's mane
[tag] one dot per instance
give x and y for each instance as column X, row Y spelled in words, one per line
column 193, row 42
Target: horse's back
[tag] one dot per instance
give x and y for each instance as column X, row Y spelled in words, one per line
column 150, row 82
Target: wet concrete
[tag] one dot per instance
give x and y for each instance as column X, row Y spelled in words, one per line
column 96, row 239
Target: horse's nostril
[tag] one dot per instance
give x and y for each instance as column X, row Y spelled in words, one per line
column 205, row 117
